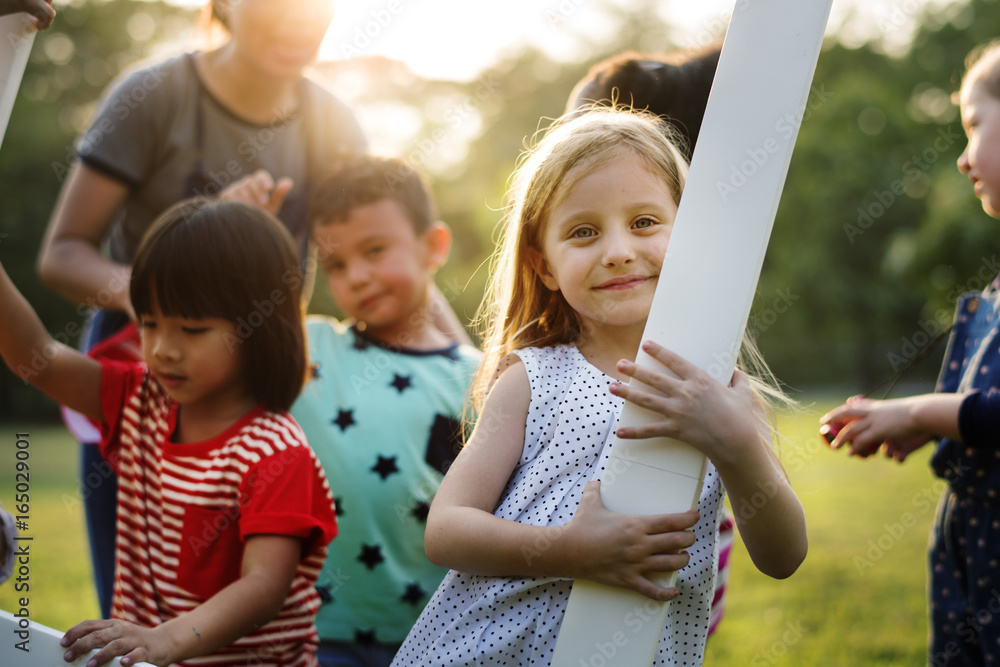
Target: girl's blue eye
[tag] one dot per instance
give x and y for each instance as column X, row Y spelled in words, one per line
column 644, row 223
column 584, row 233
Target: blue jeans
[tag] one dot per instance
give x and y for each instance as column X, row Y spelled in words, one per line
column 347, row 654
column 99, row 485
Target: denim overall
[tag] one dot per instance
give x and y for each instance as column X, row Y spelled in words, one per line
column 964, row 550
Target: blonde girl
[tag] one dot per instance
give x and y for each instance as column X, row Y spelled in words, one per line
column 518, row 515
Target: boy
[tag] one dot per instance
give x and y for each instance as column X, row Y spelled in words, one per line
column 383, row 410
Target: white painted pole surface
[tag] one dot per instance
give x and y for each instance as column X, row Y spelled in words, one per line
column 704, row 293
column 17, row 34
column 42, row 643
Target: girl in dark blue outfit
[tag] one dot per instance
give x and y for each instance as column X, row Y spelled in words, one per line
column 964, row 557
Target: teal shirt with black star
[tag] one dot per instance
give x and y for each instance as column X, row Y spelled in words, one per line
column 385, row 422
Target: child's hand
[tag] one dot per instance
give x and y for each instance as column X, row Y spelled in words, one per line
column 116, row 638
column 867, row 425
column 259, row 189
column 625, row 550
column 40, row 10
column 696, row 409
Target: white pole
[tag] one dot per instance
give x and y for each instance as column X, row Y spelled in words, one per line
column 29, row 644
column 17, row 34
column 705, row 291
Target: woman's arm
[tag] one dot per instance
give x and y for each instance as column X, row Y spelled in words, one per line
column 70, row 262
column 727, row 425
column 70, row 378
column 269, row 565
column 462, row 532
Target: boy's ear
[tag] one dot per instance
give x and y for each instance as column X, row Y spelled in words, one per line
column 541, row 267
column 438, row 240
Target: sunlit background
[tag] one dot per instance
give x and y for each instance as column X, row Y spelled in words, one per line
column 458, row 39
column 858, row 277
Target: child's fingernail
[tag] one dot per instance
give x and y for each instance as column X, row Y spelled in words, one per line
column 64, row 641
column 67, row 656
column 648, row 345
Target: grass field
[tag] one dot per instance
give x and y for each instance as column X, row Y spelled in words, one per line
column 859, row 598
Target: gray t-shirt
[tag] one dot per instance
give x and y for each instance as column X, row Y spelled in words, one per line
column 161, row 132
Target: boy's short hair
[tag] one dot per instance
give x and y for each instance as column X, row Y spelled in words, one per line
column 221, row 259
column 367, row 179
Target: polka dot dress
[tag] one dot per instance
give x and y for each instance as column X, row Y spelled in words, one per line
column 514, row 621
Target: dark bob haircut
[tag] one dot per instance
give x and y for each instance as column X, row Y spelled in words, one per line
column 367, row 179
column 236, row 262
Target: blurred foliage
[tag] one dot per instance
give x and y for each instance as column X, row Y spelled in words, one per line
column 70, row 65
column 875, row 236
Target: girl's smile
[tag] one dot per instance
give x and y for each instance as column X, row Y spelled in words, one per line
column 625, row 282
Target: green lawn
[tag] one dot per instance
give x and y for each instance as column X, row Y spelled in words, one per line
column 859, row 597
column 857, row 600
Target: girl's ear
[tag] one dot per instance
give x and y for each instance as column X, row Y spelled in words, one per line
column 438, row 242
column 541, row 267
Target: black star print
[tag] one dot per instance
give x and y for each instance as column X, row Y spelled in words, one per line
column 401, row 383
column 364, row 636
column 421, row 511
column 386, row 466
column 344, row 419
column 324, row 594
column 338, row 506
column 371, row 556
column 360, row 343
column 414, row 594
column 443, row 442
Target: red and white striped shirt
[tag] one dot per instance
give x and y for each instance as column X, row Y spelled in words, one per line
column 185, row 511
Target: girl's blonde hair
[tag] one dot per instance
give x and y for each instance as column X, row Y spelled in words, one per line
column 518, row 310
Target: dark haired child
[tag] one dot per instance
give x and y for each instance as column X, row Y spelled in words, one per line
column 223, row 510
column 674, row 86
column 383, row 410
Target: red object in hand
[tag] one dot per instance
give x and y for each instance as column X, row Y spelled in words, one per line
column 830, row 431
